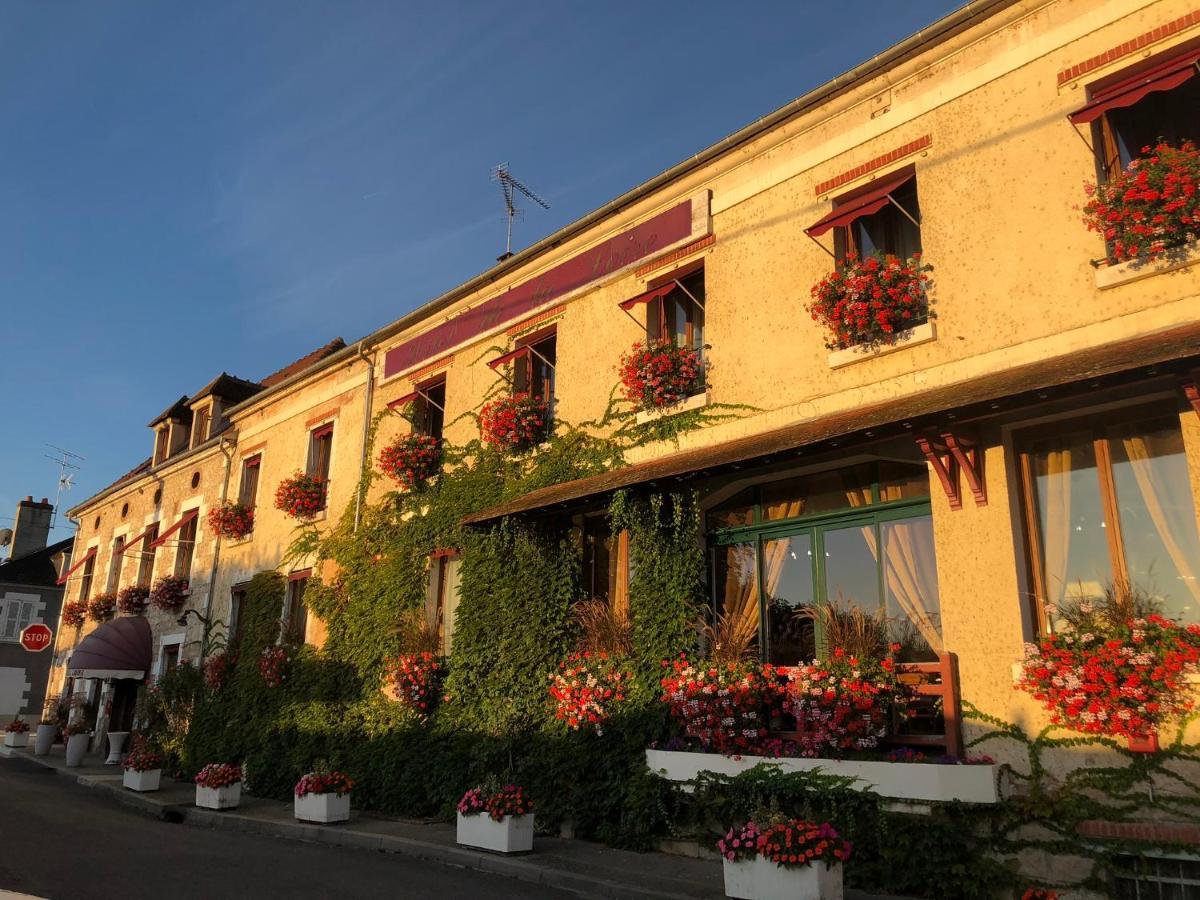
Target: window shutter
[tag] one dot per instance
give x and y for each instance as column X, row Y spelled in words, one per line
column 12, row 612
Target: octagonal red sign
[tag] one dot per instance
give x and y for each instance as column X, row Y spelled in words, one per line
column 36, row 637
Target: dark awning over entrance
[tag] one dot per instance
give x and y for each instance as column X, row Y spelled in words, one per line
column 121, row 648
column 1141, row 357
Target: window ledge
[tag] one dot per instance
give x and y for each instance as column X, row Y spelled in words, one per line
column 1137, row 269
column 697, row 401
column 921, row 334
column 244, row 539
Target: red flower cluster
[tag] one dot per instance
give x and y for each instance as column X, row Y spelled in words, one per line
column 218, row 775
column 740, row 842
column 133, row 600
column 865, row 303
column 418, row 680
column 659, row 374
column 169, row 593
column 1151, row 206
column 102, row 607
column 271, row 665
column 412, row 460
column 74, row 613
column 300, row 496
column 1123, row 683
column 799, row 843
column 142, row 759
column 725, row 708
column 324, row 782
column 842, row 703
column 217, row 668
column 231, row 520
column 510, row 800
column 1034, row 893
column 585, row 688
column 17, row 726
column 513, row 424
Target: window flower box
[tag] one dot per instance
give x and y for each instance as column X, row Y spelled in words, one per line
column 910, row 782
column 412, row 460
column 657, row 375
column 142, row 782
column 786, row 859
column 501, row 822
column 696, row 401
column 1114, row 275
column 910, row 337
column 869, row 303
column 169, row 593
column 761, row 879
column 231, row 520
column 301, row 496
column 133, row 600
column 102, row 606
column 514, row 424
column 323, row 796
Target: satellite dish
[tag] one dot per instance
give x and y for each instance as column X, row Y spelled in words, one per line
column 5, row 537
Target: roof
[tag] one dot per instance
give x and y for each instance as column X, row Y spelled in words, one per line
column 228, row 387
column 971, row 398
column 36, row 568
column 177, row 410
column 303, row 363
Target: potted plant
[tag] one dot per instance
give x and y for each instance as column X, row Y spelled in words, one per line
column 16, row 733
column 143, row 768
column 514, row 424
column 659, row 374
column 133, row 600
column 55, row 713
column 739, row 850
column 870, row 302
column 74, row 613
column 797, row 860
column 219, row 786
column 585, row 689
column 412, row 460
column 78, row 735
column 231, row 520
column 169, row 593
column 500, row 820
column 101, row 607
column 300, row 496
column 323, row 796
column 417, row 679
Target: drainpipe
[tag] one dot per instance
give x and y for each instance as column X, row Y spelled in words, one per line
column 366, row 432
column 226, row 446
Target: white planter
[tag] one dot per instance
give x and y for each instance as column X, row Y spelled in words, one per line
column 323, row 808
column 44, row 739
column 142, row 781
column 116, row 743
column 512, row 834
column 739, row 878
column 16, row 739
column 227, row 797
column 77, row 745
column 815, row 882
column 917, row 782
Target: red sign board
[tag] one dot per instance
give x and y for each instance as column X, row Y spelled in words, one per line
column 626, row 248
column 36, row 637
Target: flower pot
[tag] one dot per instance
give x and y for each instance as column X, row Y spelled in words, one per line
column 814, row 882
column 1144, row 743
column 227, row 797
column 44, row 739
column 116, row 743
column 739, row 878
column 77, row 745
column 142, row 781
column 512, row 834
column 323, row 808
column 16, row 739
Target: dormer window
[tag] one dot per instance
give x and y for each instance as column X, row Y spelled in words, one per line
column 162, row 446
column 200, row 425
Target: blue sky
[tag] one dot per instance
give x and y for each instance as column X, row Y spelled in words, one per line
column 188, row 188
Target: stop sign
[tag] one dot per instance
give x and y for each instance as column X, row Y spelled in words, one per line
column 36, row 637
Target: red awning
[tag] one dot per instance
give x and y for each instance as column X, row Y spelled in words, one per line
column 863, row 205
column 71, row 571
column 183, row 520
column 403, row 401
column 649, row 297
column 1163, row 77
column 129, row 543
column 323, row 431
column 507, row 357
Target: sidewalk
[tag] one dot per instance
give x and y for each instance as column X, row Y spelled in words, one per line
column 575, row 866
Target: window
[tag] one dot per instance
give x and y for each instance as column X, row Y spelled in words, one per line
column 18, row 613
column 237, row 604
column 295, row 614
column 248, row 492
column 200, row 426
column 605, row 562
column 1110, row 503
column 429, row 409
column 114, row 566
column 146, row 563
column 533, row 371
column 442, row 597
column 892, row 229
column 1157, row 878
column 320, row 449
column 170, row 659
column 857, row 536
column 161, row 445
column 185, row 547
column 85, row 583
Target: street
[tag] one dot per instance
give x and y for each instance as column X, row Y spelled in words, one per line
column 63, row 841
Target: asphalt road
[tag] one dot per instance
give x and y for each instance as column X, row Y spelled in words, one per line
column 63, row 841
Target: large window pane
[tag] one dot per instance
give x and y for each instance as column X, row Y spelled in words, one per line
column 911, row 587
column 737, row 510
column 852, row 567
column 737, row 582
column 821, row 492
column 788, row 584
column 902, row 481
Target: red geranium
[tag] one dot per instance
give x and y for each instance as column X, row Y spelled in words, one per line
column 865, row 303
column 217, row 668
column 412, row 460
column 324, row 781
column 585, row 688
column 799, row 843
column 514, row 424
column 133, row 600
column 102, row 606
column 510, row 800
column 660, row 374
column 74, row 613
column 1149, row 207
column 272, row 664
column 169, row 593
column 231, row 520
column 418, row 680
column 17, row 726
column 726, row 708
column 300, row 496
column 218, row 775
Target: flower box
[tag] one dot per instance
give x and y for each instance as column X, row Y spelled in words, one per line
column 143, row 782
column 1112, row 275
column 739, row 877
column 16, row 739
column 696, row 401
column 323, row 808
column 227, row 797
column 761, row 879
column 913, row 782
column 512, row 834
column 911, row 337
column 46, row 733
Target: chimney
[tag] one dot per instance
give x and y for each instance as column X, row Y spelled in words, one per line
column 32, row 527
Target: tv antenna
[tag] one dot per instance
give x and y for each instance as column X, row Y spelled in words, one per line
column 67, row 466
column 511, row 187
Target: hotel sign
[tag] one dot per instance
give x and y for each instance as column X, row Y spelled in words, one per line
column 652, row 236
